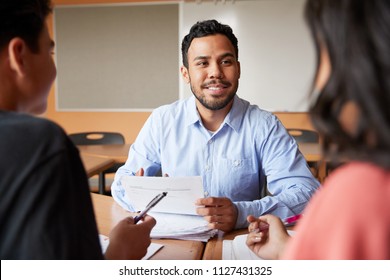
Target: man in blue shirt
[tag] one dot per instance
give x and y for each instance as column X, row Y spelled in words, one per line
column 236, row 147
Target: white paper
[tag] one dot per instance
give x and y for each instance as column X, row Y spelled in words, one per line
column 152, row 249
column 181, row 197
column 227, row 253
column 186, row 227
column 237, row 249
column 176, row 213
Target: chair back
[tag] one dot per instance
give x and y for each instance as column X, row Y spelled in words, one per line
column 304, row 135
column 97, row 138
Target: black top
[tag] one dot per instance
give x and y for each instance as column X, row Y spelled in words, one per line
column 45, row 206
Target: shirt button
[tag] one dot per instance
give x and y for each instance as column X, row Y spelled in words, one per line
column 206, row 193
column 207, row 167
column 236, row 163
column 210, row 141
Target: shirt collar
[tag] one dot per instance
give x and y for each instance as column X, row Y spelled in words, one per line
column 236, row 115
column 192, row 115
column 233, row 118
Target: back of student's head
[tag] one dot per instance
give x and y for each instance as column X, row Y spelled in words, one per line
column 203, row 29
column 356, row 35
column 24, row 19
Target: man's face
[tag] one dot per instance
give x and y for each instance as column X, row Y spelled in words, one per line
column 213, row 71
column 42, row 73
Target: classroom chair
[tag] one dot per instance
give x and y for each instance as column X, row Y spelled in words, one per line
column 306, row 136
column 99, row 138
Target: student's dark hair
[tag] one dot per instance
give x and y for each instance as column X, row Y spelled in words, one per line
column 356, row 34
column 24, row 19
column 203, row 29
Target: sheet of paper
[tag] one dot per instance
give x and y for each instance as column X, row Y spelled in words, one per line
column 241, row 251
column 181, row 197
column 237, row 249
column 152, row 249
column 227, row 253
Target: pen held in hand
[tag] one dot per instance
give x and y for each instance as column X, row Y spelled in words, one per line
column 151, row 204
column 290, row 221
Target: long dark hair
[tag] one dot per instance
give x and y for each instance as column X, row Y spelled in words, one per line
column 356, row 34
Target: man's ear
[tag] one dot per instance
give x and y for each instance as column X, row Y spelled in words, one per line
column 17, row 50
column 184, row 73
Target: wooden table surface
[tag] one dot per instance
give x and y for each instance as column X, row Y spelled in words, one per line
column 108, row 213
column 118, row 153
column 213, row 249
column 93, row 165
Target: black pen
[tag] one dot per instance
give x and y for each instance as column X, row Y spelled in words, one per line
column 151, row 204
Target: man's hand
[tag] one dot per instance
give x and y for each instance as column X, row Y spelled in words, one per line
column 220, row 212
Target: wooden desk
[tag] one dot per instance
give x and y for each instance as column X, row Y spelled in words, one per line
column 213, row 249
column 94, row 165
column 118, row 153
column 108, row 213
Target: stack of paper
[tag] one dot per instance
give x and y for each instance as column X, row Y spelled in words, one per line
column 237, row 249
column 185, row 227
column 176, row 213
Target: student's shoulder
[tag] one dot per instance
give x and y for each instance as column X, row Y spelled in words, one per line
column 30, row 128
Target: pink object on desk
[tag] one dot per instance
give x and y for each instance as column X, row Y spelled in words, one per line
column 292, row 220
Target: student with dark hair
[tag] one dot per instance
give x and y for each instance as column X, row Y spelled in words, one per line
column 45, row 206
column 234, row 146
column 349, row 217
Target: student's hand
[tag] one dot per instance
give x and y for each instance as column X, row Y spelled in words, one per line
column 269, row 243
column 220, row 212
column 129, row 241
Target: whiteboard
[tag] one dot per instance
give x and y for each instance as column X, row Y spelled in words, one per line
column 275, row 49
column 116, row 57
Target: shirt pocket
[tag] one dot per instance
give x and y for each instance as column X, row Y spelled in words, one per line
column 238, row 179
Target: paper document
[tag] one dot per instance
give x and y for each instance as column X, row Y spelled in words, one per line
column 181, row 197
column 152, row 249
column 176, row 213
column 237, row 249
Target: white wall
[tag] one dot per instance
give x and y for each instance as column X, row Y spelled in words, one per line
column 275, row 49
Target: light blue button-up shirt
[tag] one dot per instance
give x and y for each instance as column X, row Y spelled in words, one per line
column 251, row 147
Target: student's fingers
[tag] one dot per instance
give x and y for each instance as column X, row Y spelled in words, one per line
column 251, row 219
column 254, row 238
column 148, row 222
column 270, row 220
column 254, row 226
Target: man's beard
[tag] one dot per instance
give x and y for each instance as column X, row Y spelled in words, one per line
column 216, row 104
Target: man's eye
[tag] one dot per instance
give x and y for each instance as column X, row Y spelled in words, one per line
column 202, row 63
column 226, row 62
